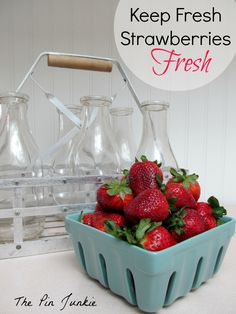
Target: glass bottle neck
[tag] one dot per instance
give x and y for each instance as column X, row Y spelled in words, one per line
column 96, row 111
column 18, row 150
column 17, row 112
column 65, row 124
column 155, row 123
column 14, row 106
column 13, row 115
column 155, row 142
column 122, row 126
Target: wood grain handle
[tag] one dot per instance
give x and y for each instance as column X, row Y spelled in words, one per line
column 82, row 63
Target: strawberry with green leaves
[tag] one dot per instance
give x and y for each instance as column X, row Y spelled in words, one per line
column 157, row 239
column 151, row 203
column 114, row 195
column 99, row 222
column 189, row 182
column 142, row 175
column 185, row 224
column 97, row 219
column 176, row 191
column 146, row 234
column 211, row 212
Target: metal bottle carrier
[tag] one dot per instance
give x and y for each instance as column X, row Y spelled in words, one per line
column 54, row 237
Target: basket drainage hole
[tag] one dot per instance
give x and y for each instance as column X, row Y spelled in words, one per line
column 170, row 287
column 81, row 252
column 218, row 259
column 197, row 273
column 131, row 286
column 104, row 269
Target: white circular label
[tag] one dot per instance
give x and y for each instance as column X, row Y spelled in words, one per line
column 176, row 45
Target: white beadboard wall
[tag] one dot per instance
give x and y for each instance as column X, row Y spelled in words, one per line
column 202, row 128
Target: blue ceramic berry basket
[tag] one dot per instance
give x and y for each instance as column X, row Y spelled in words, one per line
column 147, row 279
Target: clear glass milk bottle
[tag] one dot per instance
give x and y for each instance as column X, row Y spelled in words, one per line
column 95, row 153
column 155, row 143
column 61, row 163
column 18, row 155
column 121, row 118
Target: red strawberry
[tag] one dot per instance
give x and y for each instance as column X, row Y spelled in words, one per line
column 147, row 234
column 98, row 208
column 189, row 182
column 204, row 209
column 114, row 194
column 157, row 239
column 209, row 221
column 151, row 203
column 182, row 196
column 142, row 175
column 99, row 221
column 87, row 219
column 211, row 212
column 185, row 224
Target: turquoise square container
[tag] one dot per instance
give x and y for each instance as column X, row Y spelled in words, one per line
column 149, row 280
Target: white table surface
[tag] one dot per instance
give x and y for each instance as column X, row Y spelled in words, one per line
column 58, row 274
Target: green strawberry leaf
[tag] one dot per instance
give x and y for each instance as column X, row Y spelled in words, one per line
column 183, row 177
column 175, row 222
column 118, row 187
column 179, row 231
column 159, row 164
column 219, row 222
column 80, row 217
column 175, row 180
column 154, row 225
column 172, row 200
column 177, row 177
column 144, row 158
column 180, row 222
column 110, row 226
column 159, row 179
column 112, row 229
column 122, row 195
column 219, row 212
column 130, row 237
column 142, row 227
column 160, row 184
column 192, row 178
column 127, row 190
column 174, row 172
column 125, row 172
column 186, row 184
column 213, row 202
column 111, row 192
column 184, row 172
column 172, row 208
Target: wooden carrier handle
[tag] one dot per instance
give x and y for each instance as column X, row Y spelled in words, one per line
column 82, row 63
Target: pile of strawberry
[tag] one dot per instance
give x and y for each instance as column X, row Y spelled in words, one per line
column 143, row 211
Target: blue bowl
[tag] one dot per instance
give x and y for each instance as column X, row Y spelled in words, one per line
column 147, row 279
